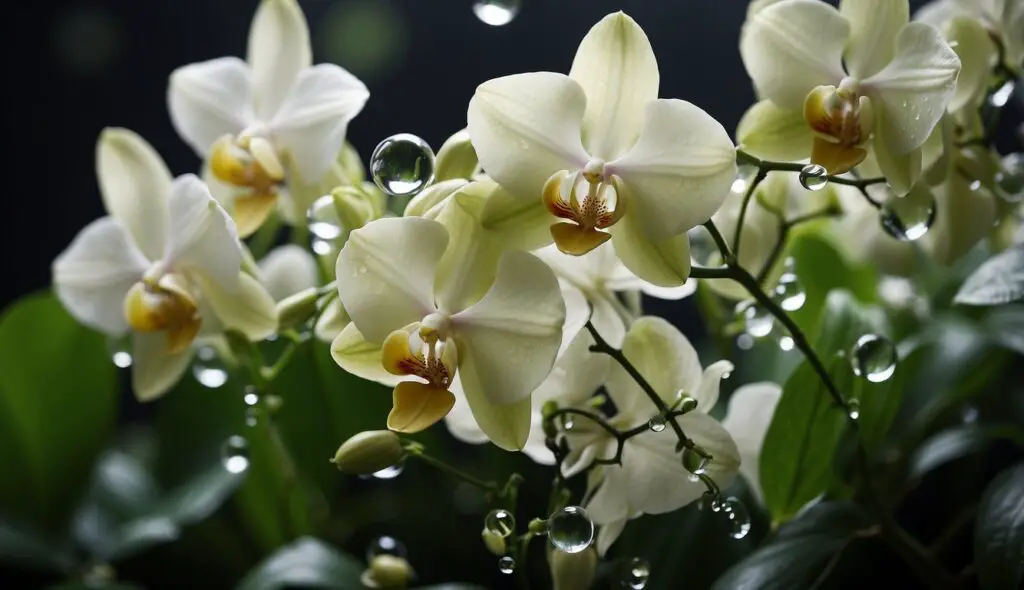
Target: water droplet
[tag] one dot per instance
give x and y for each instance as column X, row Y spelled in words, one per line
column 1010, row 179
column 234, row 454
column 119, row 349
column 685, row 403
column 853, row 408
column 789, row 292
column 321, row 247
column 496, row 13
column 975, row 185
column 251, row 397
column 711, row 501
column 694, row 462
column 739, row 518
column 402, row 165
column 1002, row 96
column 908, row 218
column 385, row 545
column 390, row 472
column 323, row 219
column 208, row 369
column 786, row 343
column 813, row 177
column 500, row 522
column 757, row 322
column 873, row 357
column 252, row 417
column 567, row 422
column 635, row 574
column 726, row 375
column 657, row 423
column 744, row 342
column 570, row 529
column 506, row 565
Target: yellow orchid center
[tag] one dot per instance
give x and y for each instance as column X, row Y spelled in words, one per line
column 842, row 120
column 164, row 304
column 249, row 162
column 425, row 352
column 602, row 205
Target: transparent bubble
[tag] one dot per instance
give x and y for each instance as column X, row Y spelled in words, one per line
column 402, row 165
column 120, row 351
column 323, row 219
column 853, row 408
column 657, row 423
column 873, row 357
column 757, row 322
column 251, row 397
column 813, row 177
column 1010, row 179
column 739, row 518
column 570, row 529
column 1002, row 96
column 208, row 368
column 694, row 462
column 635, row 574
column 496, row 13
column 908, row 218
column 234, row 454
column 385, row 545
column 745, row 341
column 506, row 565
column 789, row 292
column 500, row 522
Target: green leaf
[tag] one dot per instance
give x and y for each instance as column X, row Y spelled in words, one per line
column 999, row 280
column 307, row 562
column 1005, row 325
column 955, row 443
column 878, row 402
column 844, row 320
column 27, row 547
column 799, row 554
column 999, row 532
column 58, row 406
column 797, row 456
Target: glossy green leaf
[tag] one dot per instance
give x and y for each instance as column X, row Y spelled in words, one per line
column 955, row 443
column 999, row 532
column 307, row 562
column 797, row 456
column 999, row 280
column 843, row 320
column 1005, row 325
column 58, row 406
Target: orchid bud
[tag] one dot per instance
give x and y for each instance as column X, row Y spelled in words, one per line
column 369, row 452
column 456, row 158
column 296, row 309
column 388, row 571
column 494, row 542
column 573, row 571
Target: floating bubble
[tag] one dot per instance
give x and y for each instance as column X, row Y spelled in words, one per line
column 570, row 529
column 500, row 522
column 323, row 219
column 908, row 218
column 873, row 357
column 496, row 13
column 739, row 518
column 635, row 574
column 234, row 454
column 789, row 292
column 757, row 322
column 506, row 565
column 120, row 351
column 402, row 165
column 694, row 462
column 657, row 423
column 208, row 368
column 385, row 545
column 813, row 177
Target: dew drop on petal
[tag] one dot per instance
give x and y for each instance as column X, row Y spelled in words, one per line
column 500, row 522
column 739, row 518
column 570, row 529
column 813, row 177
column 506, row 565
column 390, row 472
column 402, row 165
column 323, row 219
column 908, row 218
column 385, row 545
column 496, row 13
column 234, row 454
column 873, row 357
column 635, row 573
column 208, row 368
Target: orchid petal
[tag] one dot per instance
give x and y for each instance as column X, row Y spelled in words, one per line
column 248, row 309
column 154, row 372
column 977, row 53
column 900, row 170
column 707, row 392
column 506, row 425
column 873, row 28
column 209, row 100
column 747, row 418
column 332, row 321
column 664, row 262
column 202, row 238
column 769, row 132
column 286, row 270
column 356, row 355
column 278, row 50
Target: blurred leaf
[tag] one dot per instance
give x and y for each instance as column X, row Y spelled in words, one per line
column 999, row 280
column 821, row 269
column 844, row 320
column 82, row 585
column 999, row 532
column 29, row 548
column 878, row 402
column 958, row 442
column 58, row 405
column 307, row 562
column 799, row 555
column 796, row 459
column 1005, row 325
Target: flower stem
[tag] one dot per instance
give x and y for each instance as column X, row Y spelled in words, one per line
column 417, row 450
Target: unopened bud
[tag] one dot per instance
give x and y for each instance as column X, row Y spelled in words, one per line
column 494, row 542
column 388, row 571
column 457, row 158
column 353, row 207
column 296, row 309
column 369, row 452
column 351, row 164
column 573, row 571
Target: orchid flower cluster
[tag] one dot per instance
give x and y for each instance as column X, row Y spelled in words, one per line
column 497, row 286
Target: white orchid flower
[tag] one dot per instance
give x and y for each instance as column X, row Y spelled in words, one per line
column 833, row 79
column 747, row 419
column 651, row 478
column 421, row 308
column 286, row 270
column 598, row 276
column 165, row 264
column 999, row 19
column 604, row 153
column 575, row 377
column 273, row 123
column 965, row 207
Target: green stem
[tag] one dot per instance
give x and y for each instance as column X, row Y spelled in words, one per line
column 416, row 450
column 785, row 226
